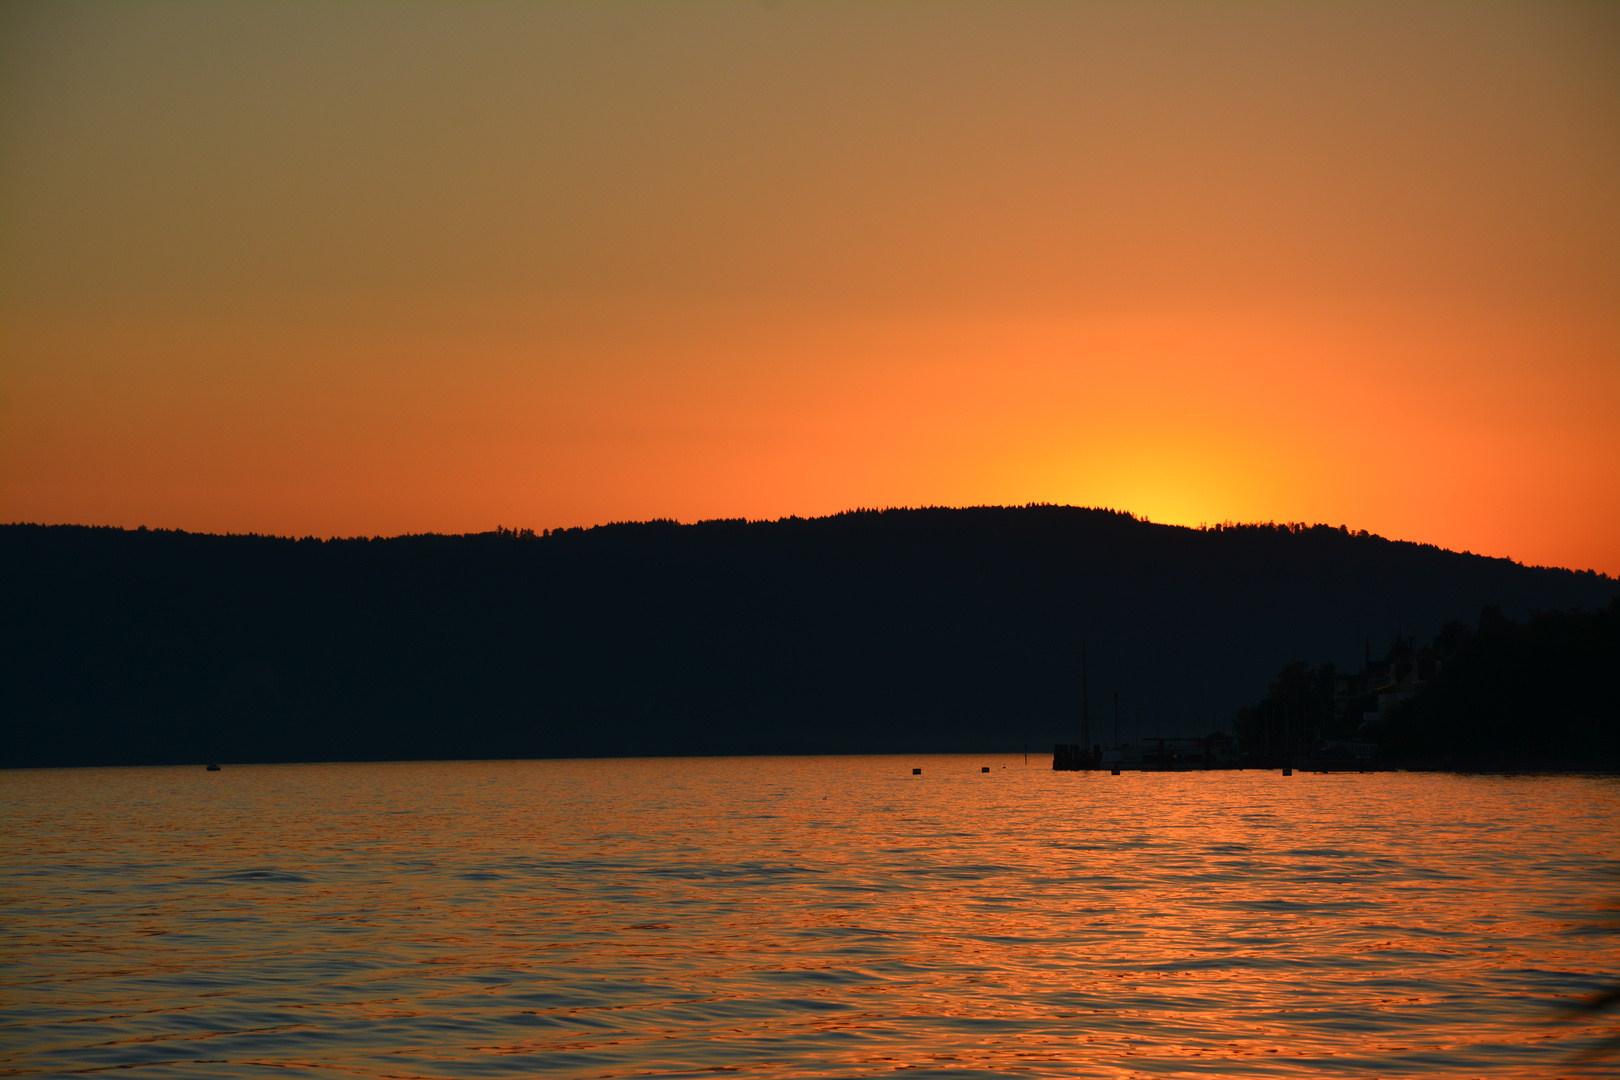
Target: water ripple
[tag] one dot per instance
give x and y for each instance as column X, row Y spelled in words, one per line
column 796, row 918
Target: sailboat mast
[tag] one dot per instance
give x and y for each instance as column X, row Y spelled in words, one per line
column 1085, row 703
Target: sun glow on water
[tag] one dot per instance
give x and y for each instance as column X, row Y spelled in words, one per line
column 799, row 917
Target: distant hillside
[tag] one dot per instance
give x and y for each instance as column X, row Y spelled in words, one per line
column 901, row 630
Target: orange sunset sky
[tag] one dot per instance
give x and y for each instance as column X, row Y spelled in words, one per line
column 371, row 268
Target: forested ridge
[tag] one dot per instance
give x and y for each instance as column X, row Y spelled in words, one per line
column 869, row 631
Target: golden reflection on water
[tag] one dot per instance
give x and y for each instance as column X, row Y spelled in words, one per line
column 798, row 917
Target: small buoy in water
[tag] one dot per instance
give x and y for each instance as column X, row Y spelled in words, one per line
column 1114, row 773
column 212, row 767
column 984, row 768
column 1288, row 772
column 916, row 772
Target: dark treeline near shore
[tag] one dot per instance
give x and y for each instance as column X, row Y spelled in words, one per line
column 1505, row 692
column 900, row 630
column 1546, row 688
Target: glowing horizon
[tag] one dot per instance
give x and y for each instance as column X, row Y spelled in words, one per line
column 378, row 269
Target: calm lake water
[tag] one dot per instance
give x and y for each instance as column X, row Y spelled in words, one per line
column 799, row 917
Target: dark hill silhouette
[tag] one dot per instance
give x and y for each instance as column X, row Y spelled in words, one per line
column 901, row 630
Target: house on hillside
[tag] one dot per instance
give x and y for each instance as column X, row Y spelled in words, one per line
column 1382, row 684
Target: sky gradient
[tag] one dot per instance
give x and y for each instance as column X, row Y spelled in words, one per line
column 365, row 268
